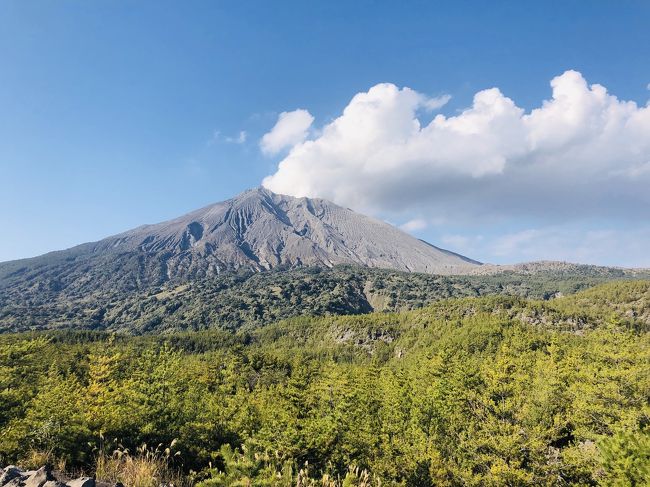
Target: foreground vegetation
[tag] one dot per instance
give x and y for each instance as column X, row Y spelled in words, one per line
column 474, row 391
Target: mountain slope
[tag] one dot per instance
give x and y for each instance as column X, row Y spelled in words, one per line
column 257, row 230
column 247, row 299
column 262, row 230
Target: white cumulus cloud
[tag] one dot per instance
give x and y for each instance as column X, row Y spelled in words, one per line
column 290, row 129
column 582, row 153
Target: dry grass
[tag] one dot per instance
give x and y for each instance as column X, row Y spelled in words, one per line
column 35, row 459
column 354, row 478
column 146, row 467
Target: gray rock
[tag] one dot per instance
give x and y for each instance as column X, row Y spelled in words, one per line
column 39, row 477
column 82, row 482
column 54, row 483
column 8, row 474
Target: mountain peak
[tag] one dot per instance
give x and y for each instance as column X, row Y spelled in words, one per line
column 256, row 230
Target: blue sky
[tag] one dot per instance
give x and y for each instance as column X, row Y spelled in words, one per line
column 115, row 113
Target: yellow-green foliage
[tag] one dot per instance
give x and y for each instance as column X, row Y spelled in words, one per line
column 477, row 391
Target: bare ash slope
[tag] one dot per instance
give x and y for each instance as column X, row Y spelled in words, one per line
column 256, row 230
column 263, row 230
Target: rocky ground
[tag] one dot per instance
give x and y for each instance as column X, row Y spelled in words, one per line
column 13, row 476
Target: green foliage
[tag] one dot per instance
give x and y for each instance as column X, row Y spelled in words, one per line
column 245, row 300
column 495, row 390
column 625, row 458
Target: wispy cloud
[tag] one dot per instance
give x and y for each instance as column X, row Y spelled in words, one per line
column 626, row 247
column 573, row 243
column 239, row 139
column 414, row 225
column 464, row 244
column 218, row 137
column 435, row 103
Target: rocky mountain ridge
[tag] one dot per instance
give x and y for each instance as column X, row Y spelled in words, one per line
column 257, row 230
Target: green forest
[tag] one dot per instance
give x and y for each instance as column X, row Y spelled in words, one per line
column 247, row 299
column 479, row 391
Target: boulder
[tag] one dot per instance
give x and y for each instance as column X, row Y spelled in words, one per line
column 82, row 482
column 39, row 477
column 13, row 476
column 8, row 474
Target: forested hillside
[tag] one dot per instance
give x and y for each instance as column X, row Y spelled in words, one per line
column 496, row 390
column 249, row 299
